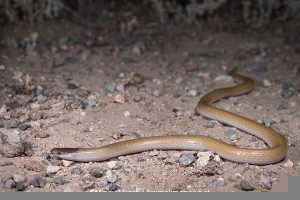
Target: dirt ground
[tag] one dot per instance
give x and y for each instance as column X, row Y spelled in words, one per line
column 69, row 85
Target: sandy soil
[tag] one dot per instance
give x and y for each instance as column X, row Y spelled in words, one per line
column 61, row 91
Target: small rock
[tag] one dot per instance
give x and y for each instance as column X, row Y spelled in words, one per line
column 265, row 181
column 67, row 163
column 231, row 134
column 103, row 182
column 38, row 181
column 153, row 153
column 119, row 99
column 267, row 122
column 138, row 98
column 212, row 168
column 112, row 187
column 68, row 189
column 287, row 90
column 111, row 177
column 48, row 114
column 246, row 186
column 11, row 143
column 117, row 135
column 137, row 50
column 24, row 127
column 192, row 93
column 97, row 172
column 2, row 67
column 112, row 164
column 126, row 113
column 41, row 99
column 13, row 124
column 223, row 78
column 10, row 184
column 76, row 170
column 267, row 83
column 288, row 164
column 19, row 180
column 110, row 88
column 73, row 85
column 120, row 87
column 187, row 159
column 210, row 124
column 52, row 169
column 20, row 185
column 203, row 158
column 219, row 182
column 59, row 180
column 170, row 161
column 156, row 93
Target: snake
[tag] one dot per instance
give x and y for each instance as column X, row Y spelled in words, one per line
column 274, row 152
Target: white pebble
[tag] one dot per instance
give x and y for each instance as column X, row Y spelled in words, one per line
column 119, row 98
column 52, row 169
column 67, row 163
column 203, row 158
column 126, row 113
column 111, row 164
column 288, row 164
column 267, row 83
column 192, row 93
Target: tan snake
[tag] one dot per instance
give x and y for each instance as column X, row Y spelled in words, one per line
column 277, row 143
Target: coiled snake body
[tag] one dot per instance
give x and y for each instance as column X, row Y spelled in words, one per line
column 277, row 144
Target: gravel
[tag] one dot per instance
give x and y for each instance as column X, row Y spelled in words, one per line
column 187, row 159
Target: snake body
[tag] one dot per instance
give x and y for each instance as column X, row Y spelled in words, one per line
column 277, row 144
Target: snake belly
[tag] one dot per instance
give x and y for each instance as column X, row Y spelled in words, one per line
column 277, row 144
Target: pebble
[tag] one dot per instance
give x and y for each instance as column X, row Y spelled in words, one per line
column 18, row 178
column 120, row 87
column 246, row 186
column 267, row 122
column 187, row 159
column 223, row 78
column 267, row 83
column 156, row 93
column 110, row 88
column 20, row 185
column 24, row 127
column 13, row 124
column 112, row 187
column 102, row 182
column 288, row 90
column 11, row 145
column 41, row 99
column 138, row 98
column 2, row 67
column 192, row 93
column 9, row 184
column 119, row 99
column 111, row 177
column 67, row 163
column 288, row 164
column 112, row 164
column 52, row 169
column 76, row 170
column 73, row 85
column 231, row 134
column 153, row 153
column 48, row 114
column 265, row 181
column 219, row 182
column 210, row 124
column 97, row 172
column 170, row 161
column 59, row 180
column 203, row 158
column 137, row 50
column 117, row 135
column 38, row 181
column 126, row 113
column 213, row 168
